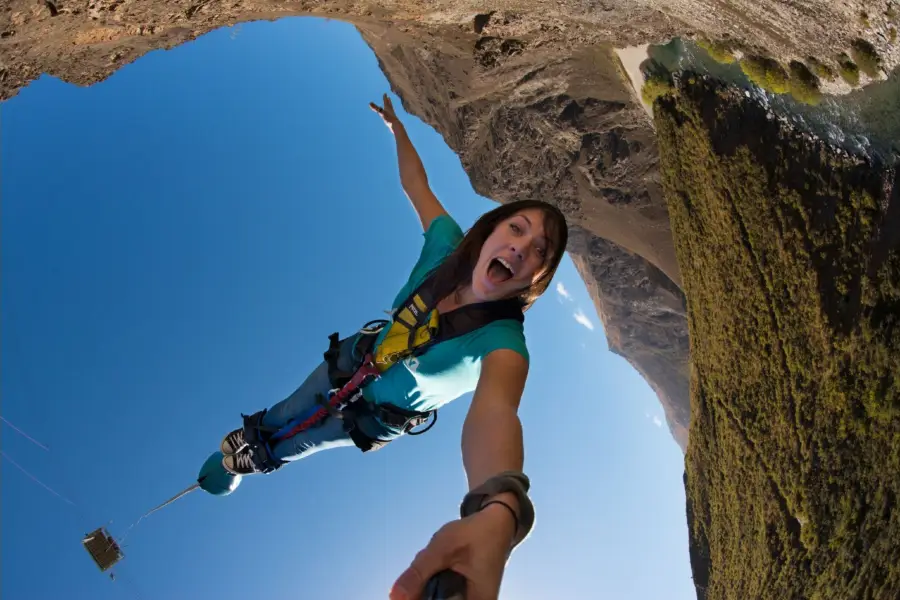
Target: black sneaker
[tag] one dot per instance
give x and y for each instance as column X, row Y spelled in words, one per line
column 234, row 442
column 239, row 464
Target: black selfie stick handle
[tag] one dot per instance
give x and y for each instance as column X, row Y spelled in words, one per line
column 446, row 585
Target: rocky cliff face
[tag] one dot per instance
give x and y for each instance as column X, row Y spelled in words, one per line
column 530, row 97
column 531, row 119
column 643, row 314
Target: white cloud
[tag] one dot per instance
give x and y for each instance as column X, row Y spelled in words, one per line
column 655, row 418
column 562, row 291
column 582, row 319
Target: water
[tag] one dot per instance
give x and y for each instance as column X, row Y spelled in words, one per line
column 864, row 121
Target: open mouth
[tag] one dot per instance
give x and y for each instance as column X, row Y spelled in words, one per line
column 499, row 270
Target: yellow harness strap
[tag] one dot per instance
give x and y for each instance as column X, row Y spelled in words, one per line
column 413, row 326
column 417, row 324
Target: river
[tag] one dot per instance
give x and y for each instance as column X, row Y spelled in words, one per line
column 865, row 120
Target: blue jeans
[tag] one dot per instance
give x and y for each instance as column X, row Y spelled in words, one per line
column 330, row 433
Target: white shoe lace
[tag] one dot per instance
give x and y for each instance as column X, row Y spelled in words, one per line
column 243, row 462
column 236, row 440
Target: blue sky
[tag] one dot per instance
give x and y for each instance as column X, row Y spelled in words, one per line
column 177, row 243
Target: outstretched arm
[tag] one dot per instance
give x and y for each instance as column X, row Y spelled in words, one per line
column 477, row 547
column 412, row 173
column 492, row 433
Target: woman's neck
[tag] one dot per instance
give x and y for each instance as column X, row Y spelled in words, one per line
column 456, row 299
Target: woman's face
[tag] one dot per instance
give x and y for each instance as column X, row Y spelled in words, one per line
column 513, row 256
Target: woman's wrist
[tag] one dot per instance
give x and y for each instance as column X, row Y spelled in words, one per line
column 503, row 510
column 398, row 129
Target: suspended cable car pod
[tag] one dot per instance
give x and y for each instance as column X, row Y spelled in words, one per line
column 105, row 551
column 103, row 548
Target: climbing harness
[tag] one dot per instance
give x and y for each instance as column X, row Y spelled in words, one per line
column 415, row 327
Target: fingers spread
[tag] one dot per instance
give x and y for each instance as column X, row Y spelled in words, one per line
column 388, row 104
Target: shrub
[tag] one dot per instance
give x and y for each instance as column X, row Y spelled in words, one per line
column 654, row 87
column 720, row 51
column 864, row 19
column 766, row 72
column 804, row 86
column 821, row 70
column 892, row 34
column 657, row 80
column 849, row 70
column 866, row 57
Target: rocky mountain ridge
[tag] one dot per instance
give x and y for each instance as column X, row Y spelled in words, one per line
column 530, row 96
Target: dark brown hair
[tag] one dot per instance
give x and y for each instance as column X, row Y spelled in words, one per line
column 456, row 270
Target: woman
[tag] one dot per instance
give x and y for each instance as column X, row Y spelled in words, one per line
column 490, row 275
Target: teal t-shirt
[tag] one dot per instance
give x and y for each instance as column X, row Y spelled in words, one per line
column 451, row 368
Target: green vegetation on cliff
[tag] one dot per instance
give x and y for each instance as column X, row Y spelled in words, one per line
column 766, row 72
column 821, row 70
column 657, row 80
column 790, row 257
column 804, row 85
column 866, row 57
column 801, row 82
column 849, row 70
column 720, row 50
column 653, row 88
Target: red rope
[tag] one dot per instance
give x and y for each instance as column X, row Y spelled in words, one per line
column 366, row 370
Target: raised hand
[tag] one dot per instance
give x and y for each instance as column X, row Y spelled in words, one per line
column 387, row 113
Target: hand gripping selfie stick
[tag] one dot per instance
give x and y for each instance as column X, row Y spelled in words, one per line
column 450, row 585
column 446, row 585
